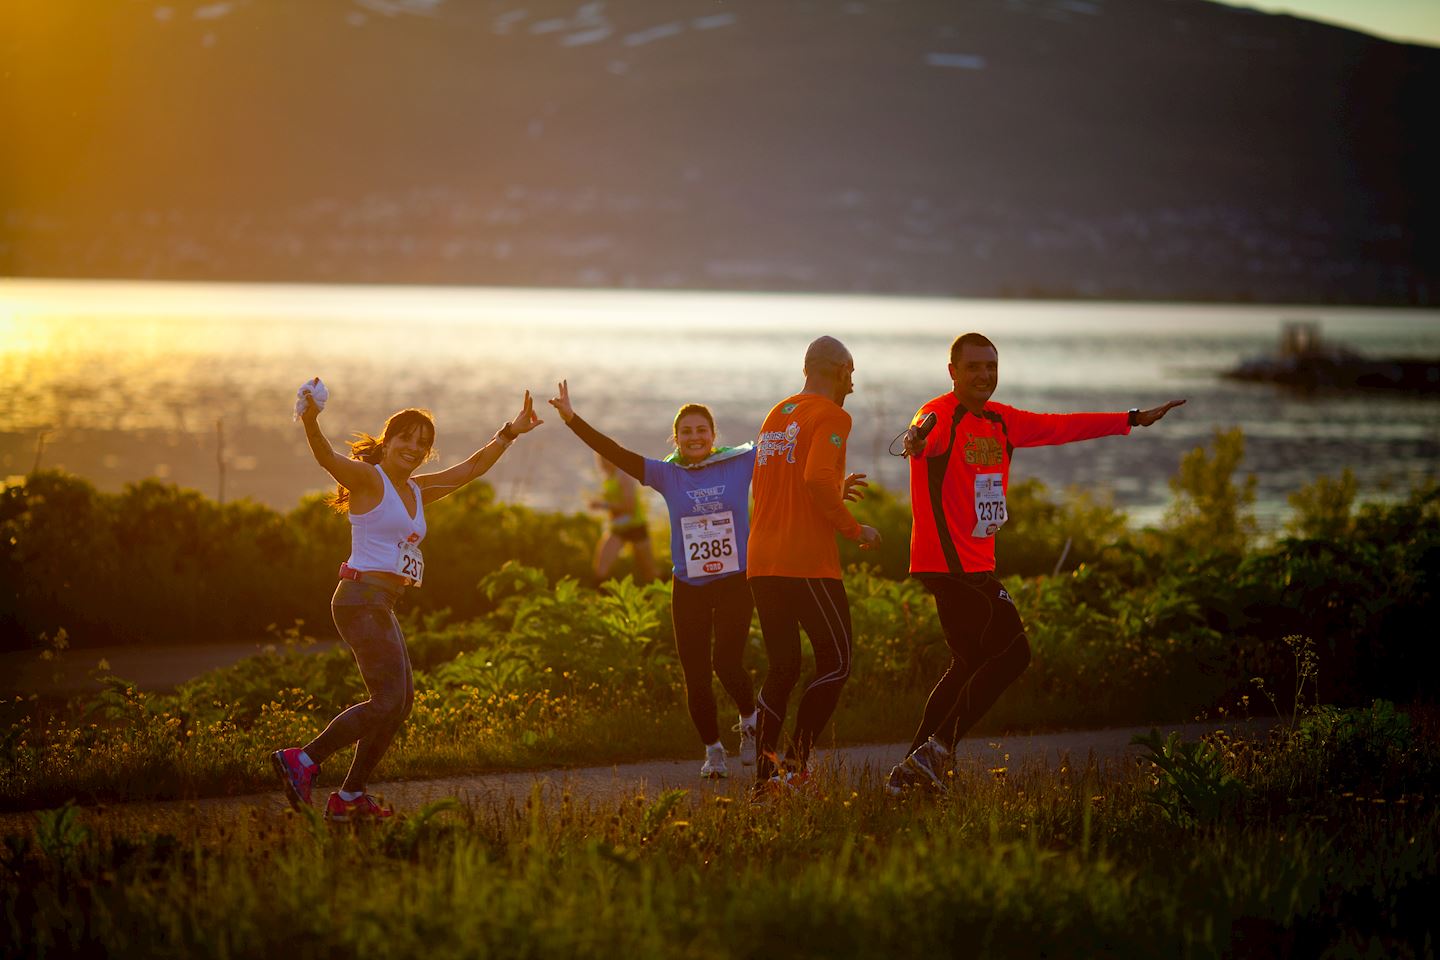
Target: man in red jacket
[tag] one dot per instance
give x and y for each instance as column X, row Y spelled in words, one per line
column 959, row 472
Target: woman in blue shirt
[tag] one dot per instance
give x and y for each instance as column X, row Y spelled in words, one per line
column 707, row 491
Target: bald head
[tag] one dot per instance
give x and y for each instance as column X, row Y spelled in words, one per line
column 828, row 369
column 825, row 354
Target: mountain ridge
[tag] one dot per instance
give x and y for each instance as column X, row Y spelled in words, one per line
column 1124, row 149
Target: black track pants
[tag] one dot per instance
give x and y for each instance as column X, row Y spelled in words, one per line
column 785, row 605
column 988, row 652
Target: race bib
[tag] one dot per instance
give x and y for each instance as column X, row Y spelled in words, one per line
column 709, row 544
column 990, row 512
column 411, row 563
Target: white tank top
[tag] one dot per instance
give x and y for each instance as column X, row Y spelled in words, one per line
column 387, row 538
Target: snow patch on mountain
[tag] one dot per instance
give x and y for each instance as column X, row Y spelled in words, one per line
column 392, row 8
column 652, row 34
column 959, row 61
column 586, row 37
column 505, row 21
column 714, row 20
column 1059, row 10
column 590, row 25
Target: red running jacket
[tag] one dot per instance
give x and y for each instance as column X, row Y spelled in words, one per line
column 958, row 483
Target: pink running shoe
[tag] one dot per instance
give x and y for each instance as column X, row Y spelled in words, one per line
column 363, row 807
column 786, row 783
column 797, row 779
column 295, row 776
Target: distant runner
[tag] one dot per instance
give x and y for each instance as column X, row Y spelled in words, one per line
column 707, row 490
column 800, row 493
column 386, row 507
column 625, row 523
column 959, row 474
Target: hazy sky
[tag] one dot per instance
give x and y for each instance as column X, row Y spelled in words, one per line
column 1414, row 20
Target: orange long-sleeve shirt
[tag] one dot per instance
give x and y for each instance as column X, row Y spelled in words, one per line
column 798, row 487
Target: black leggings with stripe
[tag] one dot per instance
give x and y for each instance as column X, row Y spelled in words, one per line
column 785, row 605
column 722, row 608
column 988, row 652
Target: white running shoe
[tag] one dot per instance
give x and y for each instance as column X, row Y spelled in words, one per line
column 714, row 766
column 901, row 778
column 747, row 743
column 930, row 762
column 923, row 768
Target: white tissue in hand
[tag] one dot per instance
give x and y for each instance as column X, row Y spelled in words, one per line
column 312, row 388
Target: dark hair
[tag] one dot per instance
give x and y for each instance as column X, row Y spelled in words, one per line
column 973, row 339
column 368, row 449
column 685, row 411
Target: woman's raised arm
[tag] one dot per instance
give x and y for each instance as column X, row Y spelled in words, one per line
column 434, row 486
column 627, row 460
column 351, row 474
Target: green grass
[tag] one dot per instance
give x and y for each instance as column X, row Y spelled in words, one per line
column 151, row 755
column 1324, row 853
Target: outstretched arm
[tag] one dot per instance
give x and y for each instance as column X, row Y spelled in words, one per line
column 434, row 486
column 627, row 460
column 353, row 475
column 1026, row 429
column 1143, row 418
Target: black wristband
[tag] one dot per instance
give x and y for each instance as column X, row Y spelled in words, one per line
column 1134, row 416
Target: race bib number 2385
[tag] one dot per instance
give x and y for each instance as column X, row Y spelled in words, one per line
column 710, row 544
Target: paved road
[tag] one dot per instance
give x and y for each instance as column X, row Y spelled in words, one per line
column 861, row 765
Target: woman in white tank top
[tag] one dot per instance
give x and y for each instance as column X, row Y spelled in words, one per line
column 386, row 505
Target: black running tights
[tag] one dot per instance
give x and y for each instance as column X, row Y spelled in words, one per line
column 988, row 652
column 785, row 605
column 722, row 607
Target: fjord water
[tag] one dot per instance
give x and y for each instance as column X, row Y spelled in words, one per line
column 119, row 381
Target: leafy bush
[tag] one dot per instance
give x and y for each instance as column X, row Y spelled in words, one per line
column 889, row 514
column 1192, row 784
column 1211, row 513
column 1045, row 536
column 1323, row 508
column 159, row 564
column 151, row 564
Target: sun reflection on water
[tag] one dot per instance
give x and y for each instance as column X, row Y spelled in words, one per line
column 128, row 377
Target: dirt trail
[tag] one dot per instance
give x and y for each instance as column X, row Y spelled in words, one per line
column 862, row 767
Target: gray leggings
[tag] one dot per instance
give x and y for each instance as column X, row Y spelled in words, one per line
column 364, row 614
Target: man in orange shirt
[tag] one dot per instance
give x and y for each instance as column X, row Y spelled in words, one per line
column 800, row 488
column 959, row 474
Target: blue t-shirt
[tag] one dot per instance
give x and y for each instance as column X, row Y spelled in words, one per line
column 714, row 487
